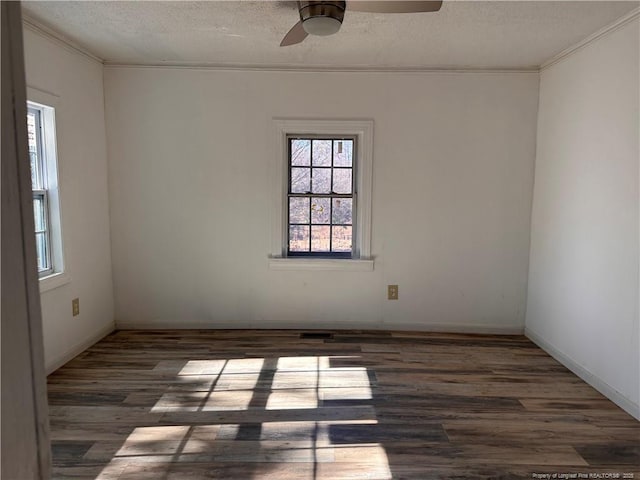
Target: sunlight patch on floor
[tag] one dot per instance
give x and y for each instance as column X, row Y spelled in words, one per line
column 159, row 449
column 293, row 398
column 203, row 367
column 315, row 446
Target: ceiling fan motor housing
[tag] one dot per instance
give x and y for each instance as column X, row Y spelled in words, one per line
column 321, row 17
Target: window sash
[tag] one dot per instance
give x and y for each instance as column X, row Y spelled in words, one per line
column 353, row 196
column 38, row 166
column 42, row 232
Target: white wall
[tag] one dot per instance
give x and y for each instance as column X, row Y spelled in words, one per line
column 190, row 193
column 77, row 81
column 583, row 277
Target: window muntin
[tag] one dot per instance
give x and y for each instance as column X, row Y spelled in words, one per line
column 36, row 142
column 321, row 196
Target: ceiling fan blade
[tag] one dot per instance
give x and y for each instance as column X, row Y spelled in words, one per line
column 394, row 6
column 295, row 35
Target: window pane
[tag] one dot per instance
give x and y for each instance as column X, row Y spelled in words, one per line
column 39, row 213
column 301, row 152
column 299, row 210
column 322, row 153
column 41, row 252
column 341, row 239
column 320, row 239
column 300, row 180
column 342, row 211
column 321, row 180
column 299, row 238
column 342, row 153
column 320, row 210
column 342, row 180
column 33, row 157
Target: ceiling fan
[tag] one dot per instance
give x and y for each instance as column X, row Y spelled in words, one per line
column 324, row 17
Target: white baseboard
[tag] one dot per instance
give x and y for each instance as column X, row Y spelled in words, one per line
column 596, row 382
column 286, row 325
column 78, row 348
column 457, row 328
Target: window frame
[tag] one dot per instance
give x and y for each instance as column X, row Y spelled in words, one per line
column 353, row 195
column 47, row 104
column 361, row 131
column 41, row 192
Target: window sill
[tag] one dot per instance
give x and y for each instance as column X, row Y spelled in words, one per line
column 298, row 263
column 53, row 281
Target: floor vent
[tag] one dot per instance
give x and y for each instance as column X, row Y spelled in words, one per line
column 316, row 335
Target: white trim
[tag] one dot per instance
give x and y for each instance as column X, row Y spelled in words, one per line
column 612, row 27
column 292, row 67
column 53, row 281
column 78, row 348
column 156, row 324
column 592, row 379
column 299, row 263
column 469, row 328
column 363, row 131
column 264, row 324
column 56, row 37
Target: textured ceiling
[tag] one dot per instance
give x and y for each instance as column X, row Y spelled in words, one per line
column 499, row 34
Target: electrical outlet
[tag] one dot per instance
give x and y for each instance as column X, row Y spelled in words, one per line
column 75, row 306
column 392, row 292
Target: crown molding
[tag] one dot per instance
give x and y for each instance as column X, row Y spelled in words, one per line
column 47, row 32
column 612, row 27
column 51, row 34
column 56, row 37
column 324, row 68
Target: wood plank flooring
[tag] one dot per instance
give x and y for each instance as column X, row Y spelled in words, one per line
column 361, row 405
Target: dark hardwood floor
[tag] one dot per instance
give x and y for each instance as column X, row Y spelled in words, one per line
column 360, row 405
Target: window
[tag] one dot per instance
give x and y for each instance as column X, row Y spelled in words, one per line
column 44, row 184
column 39, row 187
column 322, row 195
